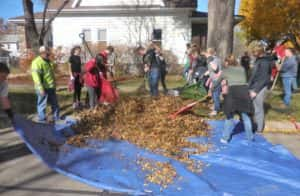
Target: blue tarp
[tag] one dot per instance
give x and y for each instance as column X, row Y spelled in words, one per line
column 240, row 168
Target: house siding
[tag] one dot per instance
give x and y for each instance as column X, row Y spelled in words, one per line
column 129, row 30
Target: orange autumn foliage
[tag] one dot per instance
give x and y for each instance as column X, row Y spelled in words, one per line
column 269, row 19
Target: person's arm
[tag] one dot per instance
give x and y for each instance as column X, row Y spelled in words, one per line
column 147, row 62
column 36, row 72
column 91, row 65
column 5, row 101
column 70, row 68
column 7, row 107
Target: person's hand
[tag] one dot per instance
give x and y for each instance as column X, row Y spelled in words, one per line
column 72, row 78
column 206, row 73
column 253, row 94
column 42, row 93
column 146, row 68
column 209, row 94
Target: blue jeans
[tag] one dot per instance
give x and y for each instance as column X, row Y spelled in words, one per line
column 154, row 76
column 287, row 87
column 216, row 98
column 295, row 83
column 50, row 96
column 229, row 127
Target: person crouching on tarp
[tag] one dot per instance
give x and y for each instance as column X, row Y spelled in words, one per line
column 237, row 99
column 92, row 79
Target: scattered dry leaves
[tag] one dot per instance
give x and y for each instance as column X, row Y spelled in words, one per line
column 145, row 123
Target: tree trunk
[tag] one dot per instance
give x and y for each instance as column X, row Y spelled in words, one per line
column 31, row 34
column 220, row 26
column 35, row 39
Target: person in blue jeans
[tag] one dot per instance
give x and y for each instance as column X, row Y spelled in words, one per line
column 151, row 67
column 288, row 74
column 214, row 72
column 154, row 77
column 42, row 70
column 237, row 100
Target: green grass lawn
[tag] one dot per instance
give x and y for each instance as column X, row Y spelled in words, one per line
column 23, row 99
column 274, row 106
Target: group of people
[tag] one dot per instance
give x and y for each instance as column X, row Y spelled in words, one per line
column 243, row 86
column 94, row 77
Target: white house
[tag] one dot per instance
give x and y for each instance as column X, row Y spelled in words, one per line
column 10, row 42
column 130, row 22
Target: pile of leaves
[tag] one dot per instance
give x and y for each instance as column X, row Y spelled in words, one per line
column 145, row 123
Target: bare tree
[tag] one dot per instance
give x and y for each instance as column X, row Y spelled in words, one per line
column 220, row 26
column 139, row 27
column 35, row 38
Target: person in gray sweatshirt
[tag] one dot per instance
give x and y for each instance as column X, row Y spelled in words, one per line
column 288, row 73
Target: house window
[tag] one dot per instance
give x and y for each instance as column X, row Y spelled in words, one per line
column 157, row 35
column 102, row 35
column 87, row 34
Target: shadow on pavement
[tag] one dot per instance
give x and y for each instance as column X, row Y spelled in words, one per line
column 13, row 152
column 53, row 191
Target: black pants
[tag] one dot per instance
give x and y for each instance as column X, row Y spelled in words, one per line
column 77, row 89
column 163, row 80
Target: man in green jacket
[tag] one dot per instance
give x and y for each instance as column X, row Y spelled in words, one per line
column 44, row 82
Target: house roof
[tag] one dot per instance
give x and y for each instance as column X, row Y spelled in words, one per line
column 9, row 38
column 55, row 4
column 197, row 14
column 202, row 17
column 38, row 17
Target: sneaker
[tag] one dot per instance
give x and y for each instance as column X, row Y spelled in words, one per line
column 58, row 120
column 223, row 141
column 42, row 121
column 213, row 113
column 75, row 105
column 37, row 120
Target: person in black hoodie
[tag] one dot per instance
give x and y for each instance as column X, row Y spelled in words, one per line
column 163, row 68
column 76, row 75
column 259, row 82
column 151, row 68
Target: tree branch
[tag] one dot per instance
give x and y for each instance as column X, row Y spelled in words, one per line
column 42, row 32
column 55, row 15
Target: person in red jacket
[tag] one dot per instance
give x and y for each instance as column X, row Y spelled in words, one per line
column 92, row 79
column 109, row 94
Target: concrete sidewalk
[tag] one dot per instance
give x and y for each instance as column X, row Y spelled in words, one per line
column 22, row 174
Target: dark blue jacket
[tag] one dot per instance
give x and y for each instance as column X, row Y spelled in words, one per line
column 261, row 74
